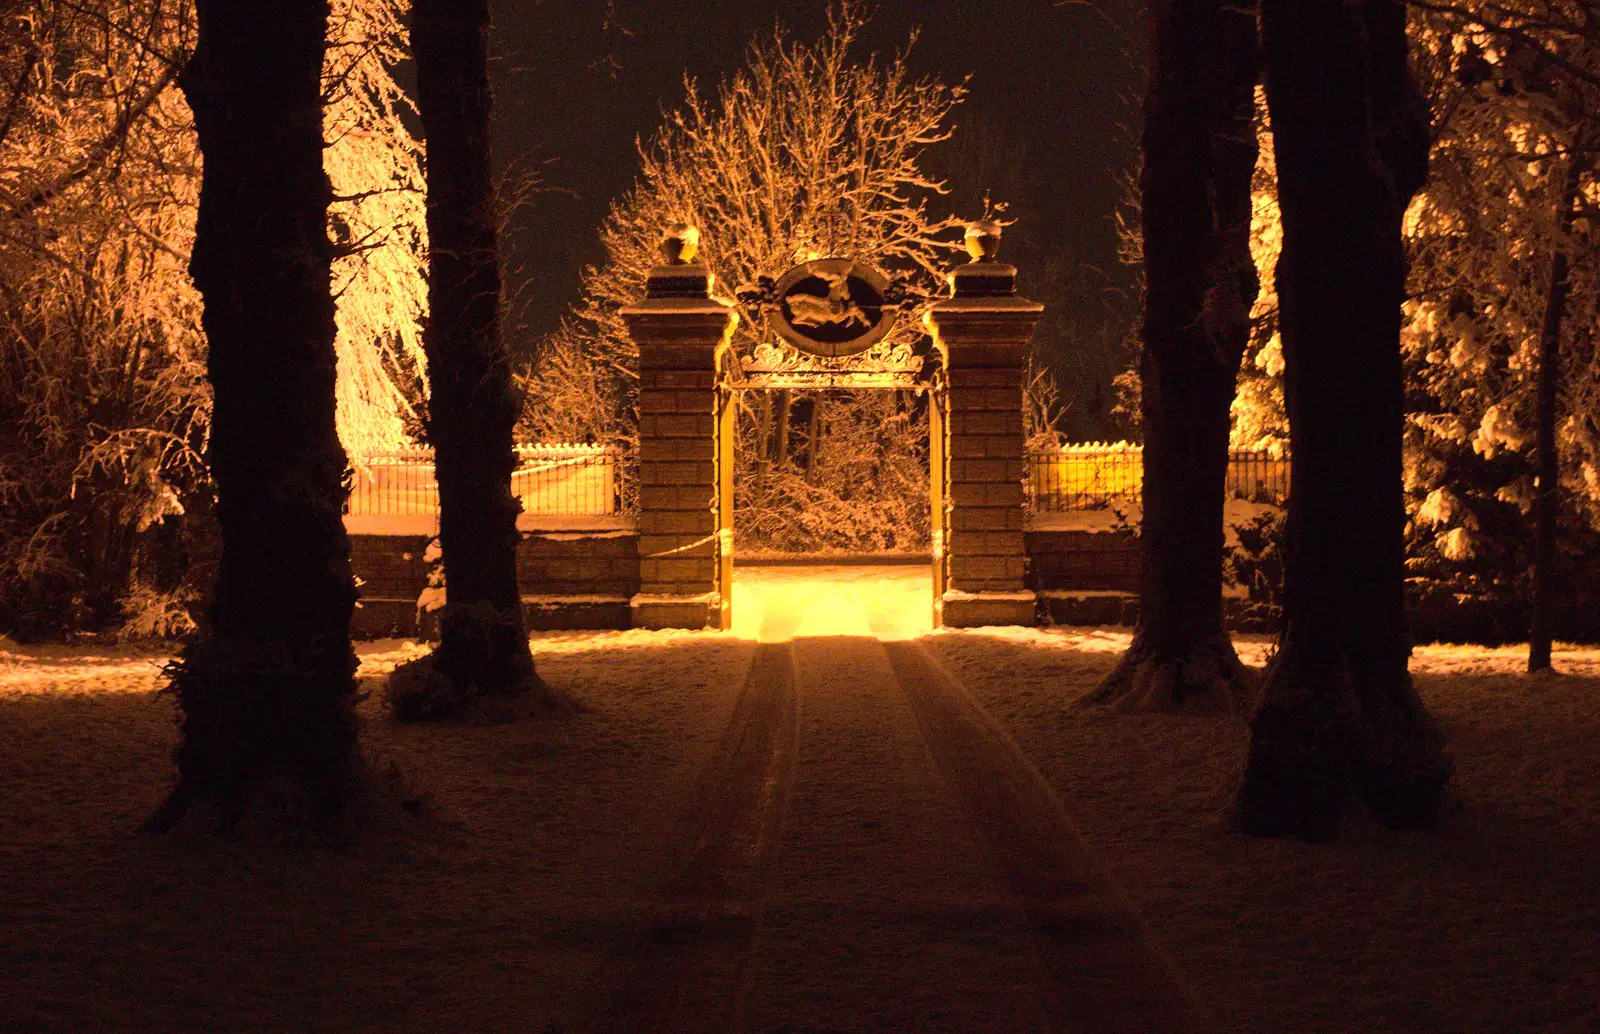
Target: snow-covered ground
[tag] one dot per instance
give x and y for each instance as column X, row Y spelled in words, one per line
column 505, row 911
column 1489, row 923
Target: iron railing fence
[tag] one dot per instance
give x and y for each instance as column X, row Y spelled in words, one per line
column 550, row 480
column 585, row 480
column 1094, row 475
column 1258, row 476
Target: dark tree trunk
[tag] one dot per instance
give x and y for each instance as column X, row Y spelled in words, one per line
column 472, row 407
column 1547, row 504
column 1339, row 710
column 1199, row 155
column 271, row 686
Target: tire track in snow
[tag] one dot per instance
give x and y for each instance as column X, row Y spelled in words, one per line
column 881, row 915
column 1105, row 974
column 687, row 960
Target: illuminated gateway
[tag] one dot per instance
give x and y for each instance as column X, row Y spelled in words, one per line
column 832, row 321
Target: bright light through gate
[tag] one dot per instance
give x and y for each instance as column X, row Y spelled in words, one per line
column 773, row 604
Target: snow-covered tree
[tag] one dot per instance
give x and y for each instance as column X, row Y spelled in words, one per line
column 1501, row 335
column 807, row 151
column 1512, row 186
column 377, row 223
column 106, row 411
column 1259, row 420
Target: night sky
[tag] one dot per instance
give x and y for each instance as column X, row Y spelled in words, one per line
column 578, row 81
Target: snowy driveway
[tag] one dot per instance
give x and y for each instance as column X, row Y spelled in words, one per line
column 866, row 850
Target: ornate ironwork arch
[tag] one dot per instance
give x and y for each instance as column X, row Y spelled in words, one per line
column 827, row 323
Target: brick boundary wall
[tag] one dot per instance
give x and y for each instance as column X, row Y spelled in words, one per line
column 585, row 578
column 1084, row 577
column 1092, row 578
column 580, row 579
column 390, row 575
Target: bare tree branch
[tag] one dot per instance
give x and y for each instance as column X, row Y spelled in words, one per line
column 101, row 151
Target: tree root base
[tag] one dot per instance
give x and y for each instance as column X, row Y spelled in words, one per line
column 1319, row 737
column 376, row 803
column 418, row 691
column 266, row 723
column 1209, row 680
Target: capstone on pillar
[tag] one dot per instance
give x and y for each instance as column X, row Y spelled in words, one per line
column 683, row 335
column 983, row 330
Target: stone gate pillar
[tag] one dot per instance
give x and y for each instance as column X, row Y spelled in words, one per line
column 982, row 330
column 682, row 335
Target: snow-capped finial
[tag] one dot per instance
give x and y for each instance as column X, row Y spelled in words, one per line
column 679, row 243
column 983, row 240
column 678, row 276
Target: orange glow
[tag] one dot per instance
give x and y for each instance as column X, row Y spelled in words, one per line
column 774, row 604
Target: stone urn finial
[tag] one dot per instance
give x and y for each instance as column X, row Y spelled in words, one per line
column 983, row 240
column 680, row 242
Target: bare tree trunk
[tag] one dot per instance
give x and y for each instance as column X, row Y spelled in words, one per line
column 472, row 408
column 1199, row 155
column 1547, row 504
column 1339, row 710
column 813, row 433
column 764, row 437
column 780, row 451
column 271, row 686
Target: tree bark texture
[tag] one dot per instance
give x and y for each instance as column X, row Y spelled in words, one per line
column 1339, row 710
column 472, row 406
column 1199, row 155
column 271, row 685
column 1547, row 504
